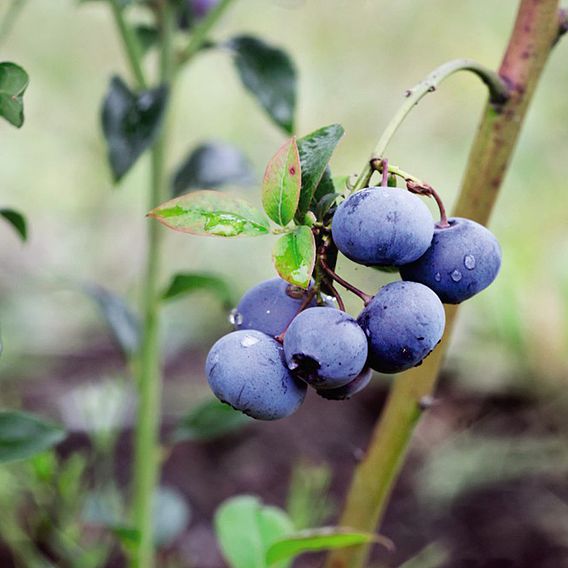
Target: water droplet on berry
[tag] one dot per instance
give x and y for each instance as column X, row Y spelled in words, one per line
column 469, row 261
column 437, row 277
column 249, row 341
column 456, row 275
column 235, row 318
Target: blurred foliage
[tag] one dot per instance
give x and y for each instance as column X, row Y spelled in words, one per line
column 80, row 230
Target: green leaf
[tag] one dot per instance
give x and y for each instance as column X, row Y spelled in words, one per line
column 23, row 435
column 17, row 220
column 211, row 213
column 246, row 529
column 148, row 37
column 122, row 322
column 183, row 284
column 282, row 184
column 209, row 421
column 213, row 165
column 13, row 83
column 315, row 540
column 294, row 256
column 325, row 187
column 315, row 150
column 131, row 122
column 269, row 74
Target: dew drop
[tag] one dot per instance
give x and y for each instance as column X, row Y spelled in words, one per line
column 469, row 261
column 249, row 341
column 437, row 277
column 456, row 275
column 235, row 318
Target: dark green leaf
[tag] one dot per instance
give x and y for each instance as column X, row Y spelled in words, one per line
column 23, row 435
column 246, row 529
column 129, row 537
column 209, row 421
column 269, row 74
column 148, row 37
column 294, row 256
column 212, row 165
column 186, row 283
column 325, row 186
column 211, row 213
column 17, row 220
column 325, row 204
column 315, row 150
column 131, row 123
column 13, row 83
column 170, row 515
column 282, row 183
column 314, row 540
column 123, row 324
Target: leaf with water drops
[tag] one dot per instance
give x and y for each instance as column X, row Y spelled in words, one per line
column 211, row 213
column 294, row 256
column 282, row 183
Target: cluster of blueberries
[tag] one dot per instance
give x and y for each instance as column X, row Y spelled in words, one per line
column 264, row 372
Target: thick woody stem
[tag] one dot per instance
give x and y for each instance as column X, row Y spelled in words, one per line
column 535, row 32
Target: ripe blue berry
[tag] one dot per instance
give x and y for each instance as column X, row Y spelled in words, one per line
column 403, row 322
column 246, row 369
column 463, row 260
column 350, row 389
column 325, row 347
column 269, row 307
column 382, row 226
column 201, row 8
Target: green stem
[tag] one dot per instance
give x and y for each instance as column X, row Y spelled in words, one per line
column 498, row 92
column 147, row 445
column 200, row 33
column 535, row 32
column 131, row 44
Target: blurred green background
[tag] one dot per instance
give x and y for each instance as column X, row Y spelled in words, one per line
column 355, row 59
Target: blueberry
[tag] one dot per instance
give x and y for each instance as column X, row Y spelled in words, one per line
column 246, row 369
column 269, row 307
column 201, row 8
column 382, row 226
column 350, row 389
column 325, row 347
column 463, row 259
column 193, row 10
column 403, row 322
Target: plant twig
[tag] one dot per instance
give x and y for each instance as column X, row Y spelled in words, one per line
column 534, row 34
column 347, row 285
column 498, row 91
column 200, row 33
column 146, row 438
column 131, row 44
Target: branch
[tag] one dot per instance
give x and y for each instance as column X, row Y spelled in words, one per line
column 534, row 34
column 498, row 94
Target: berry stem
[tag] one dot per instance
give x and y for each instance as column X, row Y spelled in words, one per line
column 347, row 285
column 414, row 185
column 385, row 172
column 498, row 95
column 309, row 296
column 336, row 294
column 534, row 34
column 201, row 32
